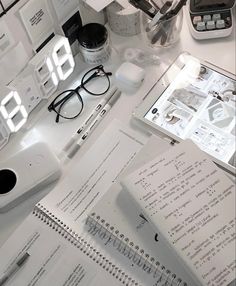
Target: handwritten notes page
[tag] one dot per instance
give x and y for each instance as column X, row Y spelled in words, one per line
column 73, row 198
column 191, row 202
column 116, row 212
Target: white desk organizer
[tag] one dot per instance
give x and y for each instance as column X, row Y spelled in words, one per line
column 25, row 173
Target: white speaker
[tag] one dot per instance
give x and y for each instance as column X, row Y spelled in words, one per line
column 26, row 172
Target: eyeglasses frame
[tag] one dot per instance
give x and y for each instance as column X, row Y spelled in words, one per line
column 97, row 72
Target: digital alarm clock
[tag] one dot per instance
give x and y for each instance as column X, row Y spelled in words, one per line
column 38, row 81
column 209, row 19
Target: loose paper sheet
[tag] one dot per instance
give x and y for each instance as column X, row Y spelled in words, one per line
column 74, row 197
column 37, row 20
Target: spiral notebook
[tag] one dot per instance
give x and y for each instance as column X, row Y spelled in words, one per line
column 117, row 225
column 56, row 258
column 191, row 202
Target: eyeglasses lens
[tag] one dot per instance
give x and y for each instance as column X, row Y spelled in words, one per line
column 70, row 106
column 96, row 82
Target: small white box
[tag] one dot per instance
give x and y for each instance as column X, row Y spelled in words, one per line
column 130, row 74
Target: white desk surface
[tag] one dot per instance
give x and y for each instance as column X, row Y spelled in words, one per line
column 221, row 52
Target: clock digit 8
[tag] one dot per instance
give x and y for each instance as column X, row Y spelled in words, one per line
column 13, row 114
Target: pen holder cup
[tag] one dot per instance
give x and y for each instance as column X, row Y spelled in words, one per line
column 165, row 33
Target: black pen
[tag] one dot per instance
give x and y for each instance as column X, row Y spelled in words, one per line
column 145, row 6
column 155, row 5
column 158, row 15
column 173, row 12
column 161, row 33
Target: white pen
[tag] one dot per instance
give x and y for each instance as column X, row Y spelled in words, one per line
column 158, row 15
column 14, row 268
column 89, row 119
column 94, row 124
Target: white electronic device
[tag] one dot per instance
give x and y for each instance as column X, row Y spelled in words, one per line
column 194, row 100
column 38, row 81
column 25, row 173
column 209, row 19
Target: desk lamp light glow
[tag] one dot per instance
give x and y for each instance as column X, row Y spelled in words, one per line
column 52, row 64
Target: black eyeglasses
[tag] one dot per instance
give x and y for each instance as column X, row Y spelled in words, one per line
column 69, row 103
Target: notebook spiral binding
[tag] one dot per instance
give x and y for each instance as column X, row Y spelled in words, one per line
column 56, row 224
column 107, row 233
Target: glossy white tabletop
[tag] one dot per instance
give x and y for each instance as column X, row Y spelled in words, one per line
column 221, row 52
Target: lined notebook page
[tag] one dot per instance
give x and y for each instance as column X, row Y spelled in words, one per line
column 192, row 204
column 55, row 258
column 91, row 176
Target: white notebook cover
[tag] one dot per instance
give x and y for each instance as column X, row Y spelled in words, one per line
column 191, row 202
column 117, row 213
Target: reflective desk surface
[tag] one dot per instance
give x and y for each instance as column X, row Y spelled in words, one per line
column 221, row 52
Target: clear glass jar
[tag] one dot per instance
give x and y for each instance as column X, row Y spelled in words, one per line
column 165, row 33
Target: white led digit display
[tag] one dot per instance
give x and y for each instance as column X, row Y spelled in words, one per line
column 51, row 70
column 13, row 111
column 53, row 63
column 63, row 58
